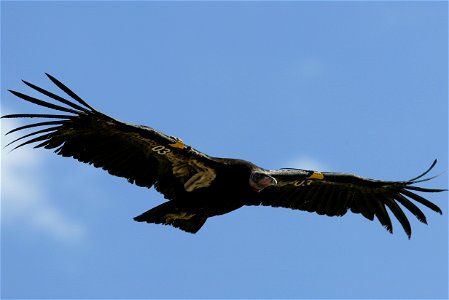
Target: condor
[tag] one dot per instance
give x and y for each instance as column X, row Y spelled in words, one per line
column 198, row 186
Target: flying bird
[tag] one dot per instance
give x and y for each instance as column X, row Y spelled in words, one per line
column 198, row 186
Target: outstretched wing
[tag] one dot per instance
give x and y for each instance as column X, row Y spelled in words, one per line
column 140, row 154
column 332, row 194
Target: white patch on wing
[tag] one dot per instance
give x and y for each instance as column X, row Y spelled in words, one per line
column 24, row 200
column 181, row 169
column 202, row 175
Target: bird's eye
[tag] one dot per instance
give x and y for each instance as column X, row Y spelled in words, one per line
column 257, row 176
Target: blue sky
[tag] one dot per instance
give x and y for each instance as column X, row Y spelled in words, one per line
column 357, row 87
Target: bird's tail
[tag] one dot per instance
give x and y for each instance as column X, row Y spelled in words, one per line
column 169, row 213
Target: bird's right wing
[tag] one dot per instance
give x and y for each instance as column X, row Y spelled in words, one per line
column 140, row 154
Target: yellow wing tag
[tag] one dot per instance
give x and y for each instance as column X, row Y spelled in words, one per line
column 179, row 144
column 316, row 175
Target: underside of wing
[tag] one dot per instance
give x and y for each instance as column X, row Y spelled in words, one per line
column 333, row 194
column 140, row 154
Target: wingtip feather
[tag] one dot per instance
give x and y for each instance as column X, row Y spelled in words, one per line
column 425, row 172
column 69, row 92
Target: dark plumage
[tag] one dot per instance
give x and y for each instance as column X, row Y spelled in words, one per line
column 199, row 186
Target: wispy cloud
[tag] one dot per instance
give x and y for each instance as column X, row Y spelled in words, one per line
column 24, row 197
column 308, row 163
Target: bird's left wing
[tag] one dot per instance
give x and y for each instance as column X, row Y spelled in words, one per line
column 333, row 194
column 140, row 154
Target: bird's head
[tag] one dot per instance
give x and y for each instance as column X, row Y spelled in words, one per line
column 259, row 180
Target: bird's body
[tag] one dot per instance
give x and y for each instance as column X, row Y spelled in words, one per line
column 193, row 208
column 198, row 186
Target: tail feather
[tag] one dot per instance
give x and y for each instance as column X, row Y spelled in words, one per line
column 170, row 214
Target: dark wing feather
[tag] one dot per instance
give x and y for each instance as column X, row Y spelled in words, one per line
column 333, row 194
column 140, row 154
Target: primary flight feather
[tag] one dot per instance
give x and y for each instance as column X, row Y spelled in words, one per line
column 198, row 186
